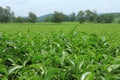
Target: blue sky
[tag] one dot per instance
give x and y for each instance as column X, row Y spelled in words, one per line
column 41, row 7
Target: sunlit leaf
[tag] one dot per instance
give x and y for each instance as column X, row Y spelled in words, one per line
column 14, row 68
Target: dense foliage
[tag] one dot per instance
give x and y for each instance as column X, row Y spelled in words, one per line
column 105, row 18
column 82, row 17
column 6, row 15
column 58, row 17
column 32, row 18
column 60, row 56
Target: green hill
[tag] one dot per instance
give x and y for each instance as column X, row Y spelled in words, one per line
column 42, row 18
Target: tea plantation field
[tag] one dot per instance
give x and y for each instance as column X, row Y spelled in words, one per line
column 65, row 27
column 58, row 52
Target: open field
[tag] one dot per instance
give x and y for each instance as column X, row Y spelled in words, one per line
column 65, row 27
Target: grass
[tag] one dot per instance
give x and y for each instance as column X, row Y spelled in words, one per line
column 66, row 27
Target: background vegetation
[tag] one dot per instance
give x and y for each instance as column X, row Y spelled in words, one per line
column 7, row 15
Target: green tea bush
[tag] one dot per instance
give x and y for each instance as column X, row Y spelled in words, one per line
column 60, row 56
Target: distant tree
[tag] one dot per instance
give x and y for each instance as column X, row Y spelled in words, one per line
column 67, row 18
column 26, row 19
column 81, row 16
column 32, row 17
column 6, row 15
column 1, row 14
column 12, row 17
column 90, row 16
column 58, row 17
column 105, row 18
column 72, row 17
column 119, row 21
column 19, row 20
column 48, row 19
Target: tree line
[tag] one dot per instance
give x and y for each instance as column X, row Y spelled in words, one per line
column 82, row 17
column 6, row 15
column 32, row 18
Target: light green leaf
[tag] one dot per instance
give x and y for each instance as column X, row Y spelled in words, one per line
column 113, row 67
column 14, row 68
column 85, row 75
column 63, row 57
